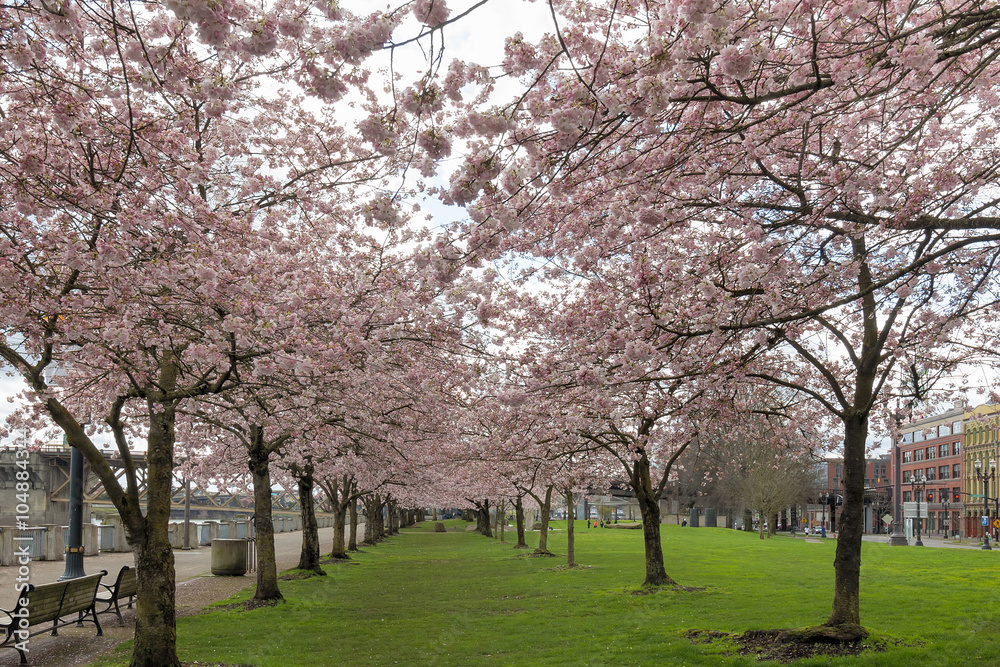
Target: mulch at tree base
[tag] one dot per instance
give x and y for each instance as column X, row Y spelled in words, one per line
column 246, row 605
column 783, row 646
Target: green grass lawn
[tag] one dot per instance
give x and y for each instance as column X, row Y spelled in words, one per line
column 457, row 598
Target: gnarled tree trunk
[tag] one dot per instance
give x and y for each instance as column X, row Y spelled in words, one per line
column 543, row 534
column 155, row 623
column 260, row 471
column 570, row 545
column 649, row 506
column 309, row 556
column 519, row 520
column 352, row 543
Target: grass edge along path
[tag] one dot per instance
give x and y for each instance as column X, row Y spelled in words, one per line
column 457, row 598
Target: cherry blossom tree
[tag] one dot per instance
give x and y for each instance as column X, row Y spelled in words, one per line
column 811, row 186
column 145, row 151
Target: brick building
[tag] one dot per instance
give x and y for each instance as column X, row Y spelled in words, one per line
column 932, row 448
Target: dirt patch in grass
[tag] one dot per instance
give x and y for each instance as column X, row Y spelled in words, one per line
column 650, row 590
column 561, row 568
column 785, row 646
column 247, row 605
column 300, row 574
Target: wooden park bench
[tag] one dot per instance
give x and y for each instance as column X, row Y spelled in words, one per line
column 50, row 602
column 124, row 587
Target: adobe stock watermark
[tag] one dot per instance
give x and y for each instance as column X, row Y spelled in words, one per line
column 23, row 550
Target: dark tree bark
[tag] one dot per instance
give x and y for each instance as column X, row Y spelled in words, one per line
column 309, row 556
column 338, row 497
column 543, row 534
column 339, row 548
column 648, row 498
column 374, row 524
column 483, row 517
column 846, row 612
column 570, row 545
column 267, row 566
column 392, row 513
column 519, row 520
column 352, row 508
column 155, row 625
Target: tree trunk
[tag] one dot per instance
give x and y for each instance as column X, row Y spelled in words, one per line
column 155, row 642
column 846, row 613
column 339, row 549
column 352, row 507
column 379, row 518
column 543, row 534
column 570, row 556
column 309, row 557
column 519, row 520
column 267, row 567
column 374, row 525
column 649, row 506
column 483, row 518
column 501, row 519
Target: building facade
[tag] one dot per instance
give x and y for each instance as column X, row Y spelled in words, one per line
column 981, row 448
column 931, row 449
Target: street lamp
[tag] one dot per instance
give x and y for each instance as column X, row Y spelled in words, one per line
column 985, row 477
column 947, row 514
column 898, row 537
column 823, row 497
column 918, row 487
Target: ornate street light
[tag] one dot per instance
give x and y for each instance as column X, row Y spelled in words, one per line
column 823, row 498
column 947, row 515
column 918, row 487
column 985, row 477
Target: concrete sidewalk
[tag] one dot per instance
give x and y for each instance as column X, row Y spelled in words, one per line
column 196, row 588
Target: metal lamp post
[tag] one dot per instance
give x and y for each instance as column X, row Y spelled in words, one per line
column 898, row 537
column 985, row 477
column 918, row 487
column 947, row 515
column 823, row 497
column 74, row 550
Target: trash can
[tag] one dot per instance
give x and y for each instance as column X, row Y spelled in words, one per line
column 229, row 557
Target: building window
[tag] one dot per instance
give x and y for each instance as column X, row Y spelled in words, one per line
column 931, row 453
column 956, row 427
column 943, row 450
column 956, row 471
column 918, row 455
column 932, row 473
column 944, row 429
column 907, row 437
column 918, row 436
column 907, row 496
column 943, row 472
column 907, row 456
column 956, row 448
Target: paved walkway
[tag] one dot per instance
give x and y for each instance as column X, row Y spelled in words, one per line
column 196, row 589
column 927, row 540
